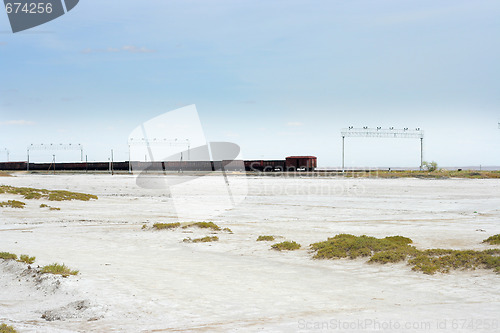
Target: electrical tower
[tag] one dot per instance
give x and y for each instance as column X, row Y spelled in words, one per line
column 379, row 132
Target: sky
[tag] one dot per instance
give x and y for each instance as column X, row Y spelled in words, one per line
column 278, row 78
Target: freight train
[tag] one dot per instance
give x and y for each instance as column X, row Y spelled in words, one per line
column 291, row 163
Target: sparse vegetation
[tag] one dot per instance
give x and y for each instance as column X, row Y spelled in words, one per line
column 12, row 204
column 59, row 270
column 227, row 230
column 430, row 166
column 397, row 249
column 8, row 256
column 205, row 239
column 438, row 174
column 204, row 225
column 493, row 240
column 160, row 226
column 4, row 328
column 26, row 259
column 350, row 246
column 286, row 246
column 50, row 208
column 262, row 238
column 51, row 195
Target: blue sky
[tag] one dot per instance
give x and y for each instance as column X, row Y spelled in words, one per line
column 276, row 77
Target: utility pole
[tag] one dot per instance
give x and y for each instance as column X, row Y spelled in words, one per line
column 343, row 143
column 54, row 163
column 112, row 171
column 129, row 163
column 421, row 153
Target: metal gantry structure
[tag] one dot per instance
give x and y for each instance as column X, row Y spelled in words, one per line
column 156, row 142
column 53, row 147
column 379, row 132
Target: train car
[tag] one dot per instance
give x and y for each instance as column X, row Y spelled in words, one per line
column 301, row 163
column 292, row 163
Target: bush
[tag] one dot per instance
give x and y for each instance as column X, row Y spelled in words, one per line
column 4, row 328
column 396, row 249
column 265, row 238
column 8, row 256
column 204, row 225
column 385, row 257
column 350, row 246
column 430, row 166
column 59, row 270
column 286, row 246
column 50, row 208
column 33, row 193
column 27, row 259
column 206, row 239
column 493, row 240
column 12, row 204
column 160, row 226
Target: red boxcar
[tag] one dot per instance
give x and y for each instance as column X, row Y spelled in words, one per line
column 308, row 163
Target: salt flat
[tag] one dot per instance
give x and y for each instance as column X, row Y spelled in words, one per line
column 134, row 280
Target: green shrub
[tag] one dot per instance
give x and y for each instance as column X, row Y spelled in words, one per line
column 350, row 246
column 43, row 206
column 160, row 226
column 203, row 225
column 227, row 230
column 265, row 238
column 8, row 256
column 26, row 259
column 12, row 204
column 385, row 257
column 4, row 328
column 286, row 246
column 430, row 166
column 493, row 240
column 59, row 270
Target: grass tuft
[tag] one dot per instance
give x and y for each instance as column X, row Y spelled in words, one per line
column 204, row 225
column 286, row 246
column 52, row 195
column 12, row 204
column 206, row 239
column 8, row 256
column 160, row 226
column 493, row 240
column 4, row 328
column 59, row 270
column 50, row 208
column 262, row 238
column 26, row 259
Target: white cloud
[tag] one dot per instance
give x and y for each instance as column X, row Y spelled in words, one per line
column 294, row 123
column 16, row 122
column 126, row 48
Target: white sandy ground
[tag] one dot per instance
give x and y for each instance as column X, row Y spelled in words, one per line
column 134, row 280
